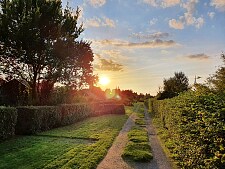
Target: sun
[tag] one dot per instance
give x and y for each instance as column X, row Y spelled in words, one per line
column 104, row 80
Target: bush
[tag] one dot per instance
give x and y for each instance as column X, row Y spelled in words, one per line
column 8, row 117
column 34, row 119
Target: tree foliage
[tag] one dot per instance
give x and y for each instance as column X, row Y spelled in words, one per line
column 217, row 81
column 174, row 85
column 38, row 41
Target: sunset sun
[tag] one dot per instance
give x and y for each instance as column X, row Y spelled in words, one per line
column 104, row 80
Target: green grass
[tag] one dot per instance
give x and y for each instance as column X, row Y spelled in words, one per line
column 129, row 110
column 81, row 145
column 138, row 148
column 140, row 122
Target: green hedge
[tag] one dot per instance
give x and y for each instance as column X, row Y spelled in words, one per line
column 40, row 118
column 8, row 117
column 72, row 113
column 34, row 119
column 196, row 126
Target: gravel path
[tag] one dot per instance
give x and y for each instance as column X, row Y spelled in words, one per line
column 113, row 159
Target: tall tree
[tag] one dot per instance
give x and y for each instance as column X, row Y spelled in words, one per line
column 38, row 41
column 174, row 85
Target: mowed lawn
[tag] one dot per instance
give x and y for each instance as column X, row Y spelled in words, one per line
column 82, row 145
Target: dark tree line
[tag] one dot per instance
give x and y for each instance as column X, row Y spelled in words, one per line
column 38, row 43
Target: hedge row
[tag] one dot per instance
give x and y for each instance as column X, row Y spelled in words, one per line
column 196, row 126
column 8, row 118
column 34, row 119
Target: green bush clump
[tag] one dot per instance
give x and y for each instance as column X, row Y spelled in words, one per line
column 138, row 148
column 196, row 126
column 8, row 117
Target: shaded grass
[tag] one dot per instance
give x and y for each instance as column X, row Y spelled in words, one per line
column 51, row 152
column 138, row 148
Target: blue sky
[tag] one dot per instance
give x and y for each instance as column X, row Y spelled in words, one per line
column 138, row 43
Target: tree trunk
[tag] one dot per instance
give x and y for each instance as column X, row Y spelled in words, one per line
column 34, row 89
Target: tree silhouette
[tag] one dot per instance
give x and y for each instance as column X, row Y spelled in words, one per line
column 38, row 42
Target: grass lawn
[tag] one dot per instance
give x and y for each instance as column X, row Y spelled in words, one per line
column 81, row 145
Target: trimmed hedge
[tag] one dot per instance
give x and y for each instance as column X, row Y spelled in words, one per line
column 8, row 117
column 71, row 113
column 40, row 118
column 196, row 126
column 34, row 119
column 106, row 108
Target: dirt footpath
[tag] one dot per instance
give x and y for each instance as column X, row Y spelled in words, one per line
column 113, row 159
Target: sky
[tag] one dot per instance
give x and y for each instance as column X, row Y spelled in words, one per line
column 138, row 43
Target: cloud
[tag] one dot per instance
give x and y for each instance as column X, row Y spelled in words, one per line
column 156, row 35
column 96, row 3
column 219, row 4
column 176, row 24
column 199, row 22
column 108, row 65
column 157, row 43
column 200, row 56
column 188, row 18
column 162, row 3
column 211, row 14
column 99, row 22
column 153, row 21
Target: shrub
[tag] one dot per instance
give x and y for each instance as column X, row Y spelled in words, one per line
column 8, row 117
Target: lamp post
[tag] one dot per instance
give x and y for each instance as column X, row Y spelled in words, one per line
column 198, row 77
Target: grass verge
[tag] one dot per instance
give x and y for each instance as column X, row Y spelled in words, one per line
column 164, row 137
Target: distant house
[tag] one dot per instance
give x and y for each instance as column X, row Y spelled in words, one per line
column 14, row 92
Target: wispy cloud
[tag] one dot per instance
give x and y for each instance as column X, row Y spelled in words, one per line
column 211, row 14
column 96, row 3
column 100, row 22
column 157, row 43
column 156, row 35
column 200, row 56
column 162, row 3
column 153, row 21
column 107, row 65
column 188, row 18
column 219, row 4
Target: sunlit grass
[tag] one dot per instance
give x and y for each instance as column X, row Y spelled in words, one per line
column 56, row 148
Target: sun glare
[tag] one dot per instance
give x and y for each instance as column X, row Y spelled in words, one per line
column 104, row 81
